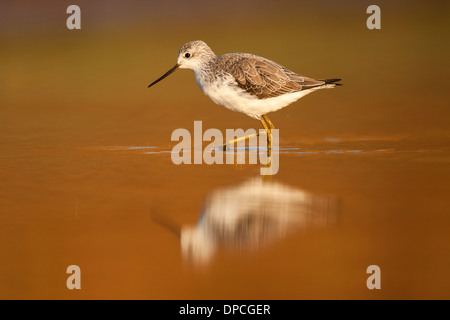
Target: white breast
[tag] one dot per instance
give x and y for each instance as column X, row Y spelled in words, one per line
column 226, row 93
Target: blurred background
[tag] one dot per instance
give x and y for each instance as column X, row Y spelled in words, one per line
column 85, row 149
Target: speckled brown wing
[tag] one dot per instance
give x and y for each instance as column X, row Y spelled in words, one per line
column 264, row 78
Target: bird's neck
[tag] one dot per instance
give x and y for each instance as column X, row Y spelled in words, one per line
column 204, row 69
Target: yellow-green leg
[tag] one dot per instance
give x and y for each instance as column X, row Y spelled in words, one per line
column 267, row 124
column 224, row 146
column 271, row 126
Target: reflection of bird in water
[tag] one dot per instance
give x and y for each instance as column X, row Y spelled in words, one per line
column 253, row 214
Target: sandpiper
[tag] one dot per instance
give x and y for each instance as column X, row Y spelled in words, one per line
column 245, row 82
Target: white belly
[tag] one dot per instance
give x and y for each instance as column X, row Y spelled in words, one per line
column 227, row 94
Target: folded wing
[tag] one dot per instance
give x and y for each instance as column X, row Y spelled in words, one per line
column 264, row 78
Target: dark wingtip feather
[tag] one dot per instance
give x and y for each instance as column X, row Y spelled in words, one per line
column 332, row 81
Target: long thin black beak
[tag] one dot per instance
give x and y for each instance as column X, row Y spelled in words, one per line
column 165, row 74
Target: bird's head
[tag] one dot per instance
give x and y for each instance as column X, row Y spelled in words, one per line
column 192, row 55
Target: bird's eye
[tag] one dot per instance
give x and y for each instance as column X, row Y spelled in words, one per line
column 187, row 55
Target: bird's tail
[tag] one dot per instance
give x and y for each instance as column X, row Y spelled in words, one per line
column 332, row 82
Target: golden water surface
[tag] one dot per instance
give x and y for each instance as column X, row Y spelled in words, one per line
column 86, row 176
